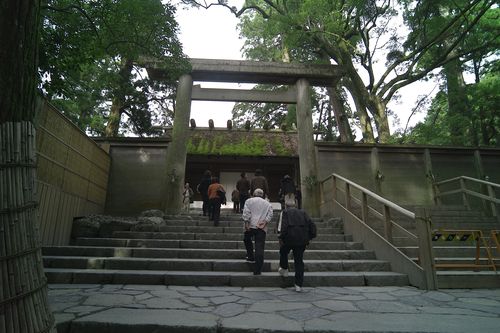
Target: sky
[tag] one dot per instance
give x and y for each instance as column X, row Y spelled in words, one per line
column 212, row 34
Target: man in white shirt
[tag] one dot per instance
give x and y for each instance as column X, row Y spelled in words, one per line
column 257, row 214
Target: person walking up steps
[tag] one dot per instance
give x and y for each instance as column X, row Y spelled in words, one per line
column 243, row 186
column 205, row 182
column 216, row 195
column 187, row 197
column 295, row 232
column 257, row 214
column 259, row 181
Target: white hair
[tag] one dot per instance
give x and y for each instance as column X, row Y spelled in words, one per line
column 258, row 193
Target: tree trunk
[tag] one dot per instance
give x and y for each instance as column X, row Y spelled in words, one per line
column 364, row 100
column 457, row 102
column 379, row 112
column 340, row 115
column 23, row 285
column 118, row 104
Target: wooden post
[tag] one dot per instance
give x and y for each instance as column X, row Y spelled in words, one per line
column 463, row 187
column 177, row 148
column 348, row 196
column 334, row 189
column 429, row 174
column 387, row 224
column 375, row 170
column 425, row 251
column 493, row 206
column 478, row 164
column 364, row 207
column 306, row 150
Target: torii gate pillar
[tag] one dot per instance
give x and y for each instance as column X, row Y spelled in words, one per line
column 177, row 148
column 307, row 152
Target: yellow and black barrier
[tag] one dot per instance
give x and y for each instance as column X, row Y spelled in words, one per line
column 473, row 236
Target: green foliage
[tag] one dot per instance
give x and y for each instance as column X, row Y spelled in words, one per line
column 349, row 34
column 481, row 125
column 89, row 53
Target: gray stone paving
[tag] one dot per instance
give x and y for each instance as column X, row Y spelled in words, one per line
column 136, row 308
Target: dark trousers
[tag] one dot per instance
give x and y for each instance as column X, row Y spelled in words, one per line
column 260, row 240
column 206, row 205
column 298, row 261
column 243, row 198
column 214, row 212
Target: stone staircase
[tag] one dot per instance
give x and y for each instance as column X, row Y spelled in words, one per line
column 189, row 250
column 457, row 252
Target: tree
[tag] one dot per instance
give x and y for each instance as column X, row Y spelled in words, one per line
column 430, row 18
column 265, row 41
column 24, row 287
column 354, row 34
column 481, row 124
column 91, row 57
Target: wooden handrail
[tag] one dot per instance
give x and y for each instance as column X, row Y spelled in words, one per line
column 484, row 182
column 421, row 221
column 375, row 196
column 490, row 197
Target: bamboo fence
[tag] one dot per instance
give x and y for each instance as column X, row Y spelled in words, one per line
column 72, row 175
column 23, row 285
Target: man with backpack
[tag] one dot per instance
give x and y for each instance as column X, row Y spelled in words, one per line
column 296, row 231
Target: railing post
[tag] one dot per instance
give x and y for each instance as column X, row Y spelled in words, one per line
column 334, row 188
column 348, row 196
column 425, row 251
column 364, row 207
column 387, row 224
column 321, row 194
column 464, row 195
column 493, row 205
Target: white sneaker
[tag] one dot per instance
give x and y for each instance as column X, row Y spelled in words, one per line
column 298, row 289
column 283, row 272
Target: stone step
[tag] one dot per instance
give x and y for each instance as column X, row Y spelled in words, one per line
column 220, row 278
column 79, row 262
column 227, row 215
column 334, row 237
column 445, row 251
column 94, row 251
column 221, row 229
column 468, row 280
column 206, row 244
column 239, row 224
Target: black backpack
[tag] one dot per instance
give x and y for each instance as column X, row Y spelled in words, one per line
column 299, row 228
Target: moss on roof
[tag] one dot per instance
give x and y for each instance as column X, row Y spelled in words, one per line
column 242, row 143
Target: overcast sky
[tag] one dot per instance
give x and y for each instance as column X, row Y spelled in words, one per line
column 210, row 34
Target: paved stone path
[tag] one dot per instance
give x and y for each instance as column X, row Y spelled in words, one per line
column 148, row 309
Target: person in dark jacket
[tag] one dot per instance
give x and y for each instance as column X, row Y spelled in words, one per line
column 287, row 191
column 205, row 182
column 259, row 181
column 243, row 186
column 296, row 229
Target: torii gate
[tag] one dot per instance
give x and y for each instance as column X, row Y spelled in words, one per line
column 298, row 76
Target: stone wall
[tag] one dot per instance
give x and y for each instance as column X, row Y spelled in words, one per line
column 404, row 174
